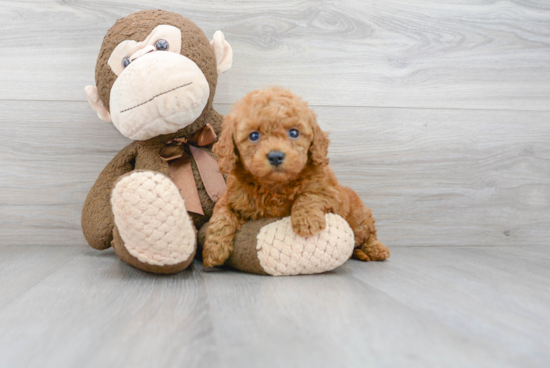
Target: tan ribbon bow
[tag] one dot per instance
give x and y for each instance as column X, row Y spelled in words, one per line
column 181, row 171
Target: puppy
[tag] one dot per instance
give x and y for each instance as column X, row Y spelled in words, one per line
column 275, row 156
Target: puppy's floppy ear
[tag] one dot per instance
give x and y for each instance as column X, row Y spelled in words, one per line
column 318, row 148
column 225, row 147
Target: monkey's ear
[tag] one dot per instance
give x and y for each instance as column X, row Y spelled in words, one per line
column 223, row 52
column 97, row 105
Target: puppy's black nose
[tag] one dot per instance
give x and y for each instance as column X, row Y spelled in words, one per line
column 275, row 158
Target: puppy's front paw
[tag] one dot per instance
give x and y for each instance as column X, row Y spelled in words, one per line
column 307, row 223
column 215, row 254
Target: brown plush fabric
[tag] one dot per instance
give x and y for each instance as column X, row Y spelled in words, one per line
column 245, row 255
column 122, row 252
column 149, row 159
column 97, row 217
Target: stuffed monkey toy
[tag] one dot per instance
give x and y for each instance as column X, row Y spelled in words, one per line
column 156, row 77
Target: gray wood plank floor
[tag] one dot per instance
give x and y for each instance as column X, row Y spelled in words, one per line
column 425, row 307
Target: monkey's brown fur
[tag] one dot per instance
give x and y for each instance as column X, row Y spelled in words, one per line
column 303, row 187
column 97, row 216
column 137, row 26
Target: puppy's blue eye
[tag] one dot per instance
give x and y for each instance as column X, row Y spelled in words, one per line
column 293, row 133
column 161, row 45
column 254, row 136
column 126, row 62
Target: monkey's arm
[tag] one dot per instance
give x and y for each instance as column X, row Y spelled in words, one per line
column 97, row 216
column 216, row 121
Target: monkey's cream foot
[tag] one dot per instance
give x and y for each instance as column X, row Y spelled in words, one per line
column 271, row 247
column 153, row 226
column 282, row 252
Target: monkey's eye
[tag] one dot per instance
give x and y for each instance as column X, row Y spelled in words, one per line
column 293, row 133
column 126, row 62
column 254, row 136
column 161, row 45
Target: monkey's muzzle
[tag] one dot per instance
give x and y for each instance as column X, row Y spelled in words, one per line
column 158, row 93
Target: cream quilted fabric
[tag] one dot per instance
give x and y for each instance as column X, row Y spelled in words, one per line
column 151, row 218
column 282, row 252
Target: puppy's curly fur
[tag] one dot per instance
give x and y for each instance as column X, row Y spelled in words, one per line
column 303, row 186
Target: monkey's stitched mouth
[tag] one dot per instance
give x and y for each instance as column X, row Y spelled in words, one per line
column 160, row 94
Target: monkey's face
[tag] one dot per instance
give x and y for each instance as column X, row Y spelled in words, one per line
column 158, row 90
column 153, row 87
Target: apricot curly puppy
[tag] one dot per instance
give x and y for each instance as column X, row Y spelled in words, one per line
column 275, row 155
